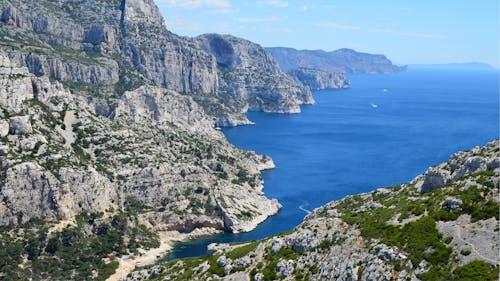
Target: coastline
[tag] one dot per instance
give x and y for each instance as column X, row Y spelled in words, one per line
column 129, row 263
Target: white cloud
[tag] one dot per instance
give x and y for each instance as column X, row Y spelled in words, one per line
column 191, row 4
column 334, row 25
column 275, row 3
column 407, row 34
column 264, row 19
column 223, row 11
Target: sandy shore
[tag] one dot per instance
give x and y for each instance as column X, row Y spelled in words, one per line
column 129, row 263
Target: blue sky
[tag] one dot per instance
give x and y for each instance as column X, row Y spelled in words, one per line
column 407, row 31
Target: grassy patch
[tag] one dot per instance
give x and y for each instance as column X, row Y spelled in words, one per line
column 242, row 251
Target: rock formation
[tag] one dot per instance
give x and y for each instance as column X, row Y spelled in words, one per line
column 108, row 47
column 158, row 148
column 320, row 80
column 251, row 79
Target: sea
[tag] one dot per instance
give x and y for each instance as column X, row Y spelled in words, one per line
column 384, row 130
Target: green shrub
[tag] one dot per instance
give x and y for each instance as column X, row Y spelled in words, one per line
column 476, row 270
column 465, row 252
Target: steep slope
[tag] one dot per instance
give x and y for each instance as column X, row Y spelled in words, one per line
column 153, row 164
column 441, row 226
column 250, row 76
column 104, row 48
column 320, row 80
column 110, row 46
column 158, row 149
column 342, row 60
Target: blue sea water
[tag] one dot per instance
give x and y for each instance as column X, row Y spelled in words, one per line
column 384, row 130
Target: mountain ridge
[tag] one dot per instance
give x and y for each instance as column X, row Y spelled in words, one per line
column 341, row 60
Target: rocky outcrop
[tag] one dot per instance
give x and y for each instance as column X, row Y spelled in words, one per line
column 249, row 75
column 342, row 60
column 320, row 80
column 157, row 150
column 459, row 165
column 115, row 44
column 395, row 233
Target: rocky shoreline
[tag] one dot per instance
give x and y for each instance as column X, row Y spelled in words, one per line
column 405, row 232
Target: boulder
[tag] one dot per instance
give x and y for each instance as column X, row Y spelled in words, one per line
column 435, row 178
column 222, row 261
column 453, row 203
column 285, row 267
column 4, row 128
column 20, row 125
column 470, row 166
column 258, row 277
column 243, row 262
column 276, row 245
column 493, row 164
column 4, row 149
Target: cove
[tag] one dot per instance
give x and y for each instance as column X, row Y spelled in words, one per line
column 384, row 130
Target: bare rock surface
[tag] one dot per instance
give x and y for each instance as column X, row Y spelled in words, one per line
column 158, row 149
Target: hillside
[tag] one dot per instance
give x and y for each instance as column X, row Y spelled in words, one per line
column 342, row 60
column 443, row 225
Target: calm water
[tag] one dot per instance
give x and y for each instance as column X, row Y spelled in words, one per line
column 385, row 130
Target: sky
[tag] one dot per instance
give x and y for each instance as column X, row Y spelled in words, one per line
column 407, row 31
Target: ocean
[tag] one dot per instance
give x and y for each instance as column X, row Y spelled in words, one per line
column 384, row 130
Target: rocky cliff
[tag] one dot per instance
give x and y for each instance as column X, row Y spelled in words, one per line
column 441, row 226
column 320, row 80
column 108, row 47
column 157, row 148
column 251, row 79
column 342, row 60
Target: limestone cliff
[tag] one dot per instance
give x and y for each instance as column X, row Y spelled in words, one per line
column 250, row 78
column 320, row 80
column 433, row 228
column 104, row 48
column 111, row 45
column 157, row 149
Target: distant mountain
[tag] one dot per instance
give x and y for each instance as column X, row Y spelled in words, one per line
column 344, row 60
column 478, row 66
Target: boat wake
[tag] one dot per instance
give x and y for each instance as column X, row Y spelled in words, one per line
column 301, row 207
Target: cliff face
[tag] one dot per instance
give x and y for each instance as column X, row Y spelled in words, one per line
column 320, row 80
column 112, row 44
column 342, row 60
column 428, row 229
column 157, row 149
column 250, row 77
column 108, row 47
